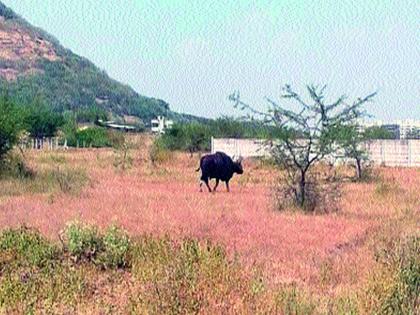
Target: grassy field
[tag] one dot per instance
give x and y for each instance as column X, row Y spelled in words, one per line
column 193, row 252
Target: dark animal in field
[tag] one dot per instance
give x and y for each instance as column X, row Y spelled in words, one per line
column 219, row 166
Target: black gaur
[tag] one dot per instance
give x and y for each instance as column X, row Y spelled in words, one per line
column 219, row 166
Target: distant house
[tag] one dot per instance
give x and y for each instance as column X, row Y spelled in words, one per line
column 160, row 124
column 400, row 129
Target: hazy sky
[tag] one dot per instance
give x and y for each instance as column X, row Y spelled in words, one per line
column 193, row 54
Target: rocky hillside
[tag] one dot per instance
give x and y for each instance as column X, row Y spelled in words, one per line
column 33, row 63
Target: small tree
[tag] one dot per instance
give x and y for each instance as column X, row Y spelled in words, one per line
column 308, row 134
column 350, row 138
column 10, row 125
column 122, row 146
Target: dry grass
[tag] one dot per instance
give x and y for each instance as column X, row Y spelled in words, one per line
column 328, row 256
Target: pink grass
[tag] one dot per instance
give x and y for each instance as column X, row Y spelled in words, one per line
column 289, row 246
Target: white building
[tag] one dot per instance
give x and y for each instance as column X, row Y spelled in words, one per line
column 160, row 124
column 403, row 129
column 407, row 127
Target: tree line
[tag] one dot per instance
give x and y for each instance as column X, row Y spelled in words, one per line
column 38, row 120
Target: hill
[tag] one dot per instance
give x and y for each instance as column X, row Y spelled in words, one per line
column 34, row 64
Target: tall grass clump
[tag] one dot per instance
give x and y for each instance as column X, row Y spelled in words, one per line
column 13, row 166
column 185, row 278
column 68, row 180
column 394, row 286
column 17, row 178
column 385, row 187
column 158, row 152
column 290, row 301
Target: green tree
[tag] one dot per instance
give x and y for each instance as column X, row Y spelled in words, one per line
column 197, row 137
column 377, row 132
column 308, row 134
column 10, row 124
column 40, row 120
column 228, row 127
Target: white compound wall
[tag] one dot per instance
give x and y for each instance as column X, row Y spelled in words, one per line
column 405, row 153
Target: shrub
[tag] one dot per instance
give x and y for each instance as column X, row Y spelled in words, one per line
column 185, row 278
column 158, row 153
column 34, row 276
column 116, row 245
column 82, row 241
column 26, row 247
column 93, row 137
column 14, row 166
column 165, row 277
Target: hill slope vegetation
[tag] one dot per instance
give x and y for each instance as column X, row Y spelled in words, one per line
column 34, row 64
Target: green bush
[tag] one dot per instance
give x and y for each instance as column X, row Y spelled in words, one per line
column 93, row 137
column 116, row 245
column 82, row 241
column 34, row 276
column 26, row 247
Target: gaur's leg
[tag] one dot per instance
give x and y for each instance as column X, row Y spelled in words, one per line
column 206, row 181
column 217, row 184
column 227, row 186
